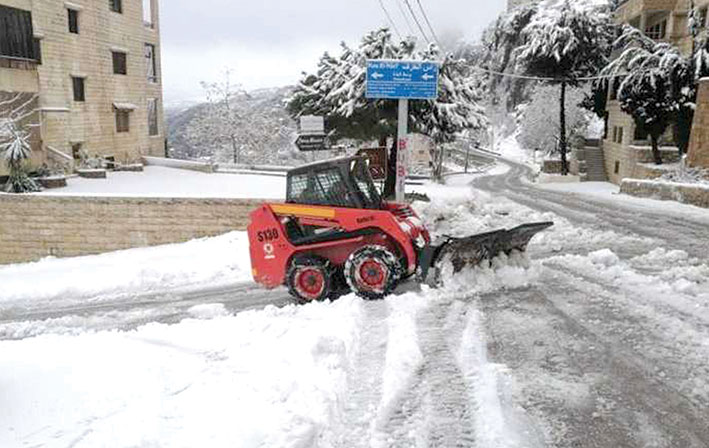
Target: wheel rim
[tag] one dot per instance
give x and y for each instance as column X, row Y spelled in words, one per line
column 310, row 283
column 373, row 274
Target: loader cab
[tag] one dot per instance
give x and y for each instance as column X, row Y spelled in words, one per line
column 344, row 182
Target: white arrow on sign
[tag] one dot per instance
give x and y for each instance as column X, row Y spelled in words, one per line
column 426, row 77
column 377, row 75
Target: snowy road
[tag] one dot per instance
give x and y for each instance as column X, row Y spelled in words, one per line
column 654, row 219
column 133, row 310
column 605, row 353
column 599, row 338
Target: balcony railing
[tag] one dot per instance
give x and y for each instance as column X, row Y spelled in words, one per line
column 17, row 63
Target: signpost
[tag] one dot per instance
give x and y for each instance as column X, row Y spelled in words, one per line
column 311, row 124
column 403, row 81
column 311, row 142
column 311, row 134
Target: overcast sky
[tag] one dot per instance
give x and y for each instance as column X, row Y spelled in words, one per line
column 268, row 43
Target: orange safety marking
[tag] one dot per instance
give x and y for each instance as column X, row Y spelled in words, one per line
column 298, row 210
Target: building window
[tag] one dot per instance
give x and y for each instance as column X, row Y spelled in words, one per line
column 120, row 66
column 615, row 133
column 148, row 13
column 153, row 116
column 656, row 31
column 116, row 6
column 76, row 151
column 151, row 65
column 620, row 135
column 617, row 167
column 122, row 120
column 78, row 85
column 16, row 34
column 73, row 16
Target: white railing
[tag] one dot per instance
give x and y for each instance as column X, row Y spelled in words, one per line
column 61, row 157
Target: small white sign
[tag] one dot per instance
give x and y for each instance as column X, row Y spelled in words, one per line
column 311, row 124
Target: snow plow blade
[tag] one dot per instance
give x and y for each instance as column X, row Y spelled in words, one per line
column 476, row 249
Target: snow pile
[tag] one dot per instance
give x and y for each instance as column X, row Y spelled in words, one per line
column 198, row 383
column 515, row 271
column 684, row 175
column 213, row 261
column 685, row 286
column 461, row 211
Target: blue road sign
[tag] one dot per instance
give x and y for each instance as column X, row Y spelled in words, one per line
column 413, row 80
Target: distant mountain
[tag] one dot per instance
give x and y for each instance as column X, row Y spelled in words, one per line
column 271, row 131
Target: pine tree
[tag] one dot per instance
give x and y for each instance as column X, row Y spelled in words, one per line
column 565, row 41
column 666, row 77
column 560, row 40
column 337, row 91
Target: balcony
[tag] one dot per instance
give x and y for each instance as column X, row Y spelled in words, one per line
column 18, row 63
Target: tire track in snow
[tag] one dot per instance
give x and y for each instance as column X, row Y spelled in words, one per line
column 444, row 393
column 435, row 409
column 355, row 425
column 573, row 373
column 670, row 344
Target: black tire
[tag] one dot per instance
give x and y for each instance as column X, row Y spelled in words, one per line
column 309, row 279
column 383, row 272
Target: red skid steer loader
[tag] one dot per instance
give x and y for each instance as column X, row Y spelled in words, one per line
column 335, row 234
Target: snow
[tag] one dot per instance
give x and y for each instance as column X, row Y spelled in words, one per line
column 210, row 261
column 345, row 373
column 199, row 383
column 591, row 188
column 157, row 181
column 609, row 193
column 510, row 148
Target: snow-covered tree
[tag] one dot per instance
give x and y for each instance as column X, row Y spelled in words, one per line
column 538, row 120
column 221, row 123
column 658, row 84
column 561, row 40
column 337, row 91
column 15, row 142
column 499, row 44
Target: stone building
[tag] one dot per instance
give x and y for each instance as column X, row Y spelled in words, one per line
column 626, row 148
column 93, row 68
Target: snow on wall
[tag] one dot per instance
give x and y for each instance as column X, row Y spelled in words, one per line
column 693, row 194
column 181, row 164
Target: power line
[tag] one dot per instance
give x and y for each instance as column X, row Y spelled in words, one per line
column 425, row 17
column 411, row 10
column 406, row 17
column 391, row 22
column 542, row 78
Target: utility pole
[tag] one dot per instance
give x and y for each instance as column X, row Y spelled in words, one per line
column 402, row 150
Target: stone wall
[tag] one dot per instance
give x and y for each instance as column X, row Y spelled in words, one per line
column 686, row 193
column 36, row 226
column 699, row 143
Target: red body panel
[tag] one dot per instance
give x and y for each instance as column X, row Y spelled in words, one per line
column 398, row 228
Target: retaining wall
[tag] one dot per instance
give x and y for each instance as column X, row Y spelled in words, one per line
column 35, row 226
column 686, row 193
